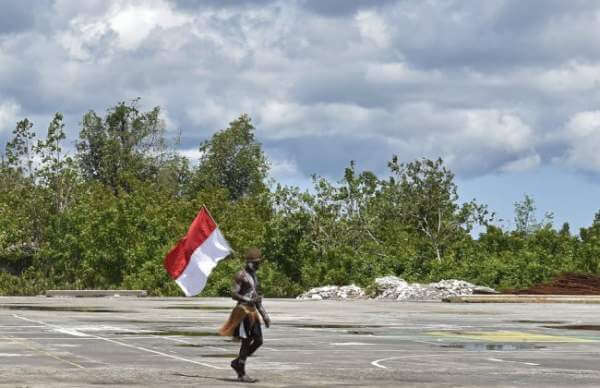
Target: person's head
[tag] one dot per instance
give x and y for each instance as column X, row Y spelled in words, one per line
column 253, row 258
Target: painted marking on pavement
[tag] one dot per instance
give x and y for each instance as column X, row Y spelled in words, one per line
column 350, row 344
column 41, row 351
column 126, row 345
column 377, row 363
column 518, row 362
column 508, row 336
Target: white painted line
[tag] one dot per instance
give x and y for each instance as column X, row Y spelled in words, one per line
column 72, row 332
column 186, row 342
column 30, row 347
column 20, row 327
column 350, row 344
column 127, row 345
column 73, row 338
column 518, row 362
column 377, row 363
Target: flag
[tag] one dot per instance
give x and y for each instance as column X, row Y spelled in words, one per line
column 193, row 258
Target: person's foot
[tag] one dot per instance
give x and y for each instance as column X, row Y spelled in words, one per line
column 238, row 368
column 246, row 379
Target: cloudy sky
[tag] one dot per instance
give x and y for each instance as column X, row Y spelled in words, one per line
column 506, row 92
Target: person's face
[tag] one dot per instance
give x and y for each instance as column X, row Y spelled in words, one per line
column 253, row 265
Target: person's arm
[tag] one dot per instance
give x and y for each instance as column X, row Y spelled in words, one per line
column 237, row 288
column 263, row 312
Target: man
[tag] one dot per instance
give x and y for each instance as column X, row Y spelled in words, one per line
column 244, row 321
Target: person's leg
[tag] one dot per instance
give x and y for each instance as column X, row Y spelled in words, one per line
column 239, row 364
column 257, row 338
column 241, row 361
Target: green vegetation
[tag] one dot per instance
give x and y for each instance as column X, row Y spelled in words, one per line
column 106, row 216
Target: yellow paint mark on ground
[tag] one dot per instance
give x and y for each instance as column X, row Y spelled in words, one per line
column 507, row 336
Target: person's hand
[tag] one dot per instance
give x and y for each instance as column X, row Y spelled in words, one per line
column 257, row 299
column 267, row 322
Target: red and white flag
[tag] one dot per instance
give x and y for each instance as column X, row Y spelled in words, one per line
column 193, row 258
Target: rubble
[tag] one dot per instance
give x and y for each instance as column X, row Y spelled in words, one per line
column 395, row 288
column 334, row 292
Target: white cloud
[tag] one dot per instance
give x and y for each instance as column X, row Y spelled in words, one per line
column 468, row 139
column 9, row 115
column 582, row 135
column 570, row 77
column 526, row 163
column 496, row 129
column 212, row 113
column 373, row 28
column 281, row 120
column 130, row 21
column 193, row 155
column 81, row 37
column 399, row 72
column 135, row 20
column 281, row 168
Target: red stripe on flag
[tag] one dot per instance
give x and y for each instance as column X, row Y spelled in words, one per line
column 179, row 256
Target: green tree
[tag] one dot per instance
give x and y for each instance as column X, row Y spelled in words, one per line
column 19, row 151
column 120, row 150
column 525, row 219
column 22, row 205
column 234, row 160
column 56, row 171
column 588, row 253
column 423, row 196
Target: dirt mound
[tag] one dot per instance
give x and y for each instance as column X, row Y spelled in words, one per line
column 565, row 284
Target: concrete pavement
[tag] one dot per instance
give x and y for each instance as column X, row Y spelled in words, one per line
column 160, row 342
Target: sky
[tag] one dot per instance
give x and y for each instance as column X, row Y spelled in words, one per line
column 505, row 91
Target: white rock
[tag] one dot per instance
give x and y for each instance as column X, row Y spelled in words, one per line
column 391, row 287
column 333, row 292
column 395, row 288
column 388, row 282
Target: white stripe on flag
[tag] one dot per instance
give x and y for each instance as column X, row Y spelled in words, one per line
column 214, row 249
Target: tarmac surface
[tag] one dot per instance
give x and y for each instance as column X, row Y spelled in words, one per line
column 172, row 342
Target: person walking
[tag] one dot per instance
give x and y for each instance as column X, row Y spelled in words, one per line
column 244, row 320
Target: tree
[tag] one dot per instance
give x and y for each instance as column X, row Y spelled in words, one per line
column 21, row 206
column 234, row 160
column 525, row 220
column 120, row 150
column 56, row 172
column 423, row 195
column 19, row 151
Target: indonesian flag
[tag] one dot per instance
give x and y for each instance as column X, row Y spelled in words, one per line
column 190, row 261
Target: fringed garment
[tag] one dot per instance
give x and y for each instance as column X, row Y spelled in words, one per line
column 242, row 321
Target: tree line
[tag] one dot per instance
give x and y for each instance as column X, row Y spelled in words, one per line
column 104, row 216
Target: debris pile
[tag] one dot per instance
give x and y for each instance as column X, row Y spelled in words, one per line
column 392, row 287
column 564, row 284
column 334, row 292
